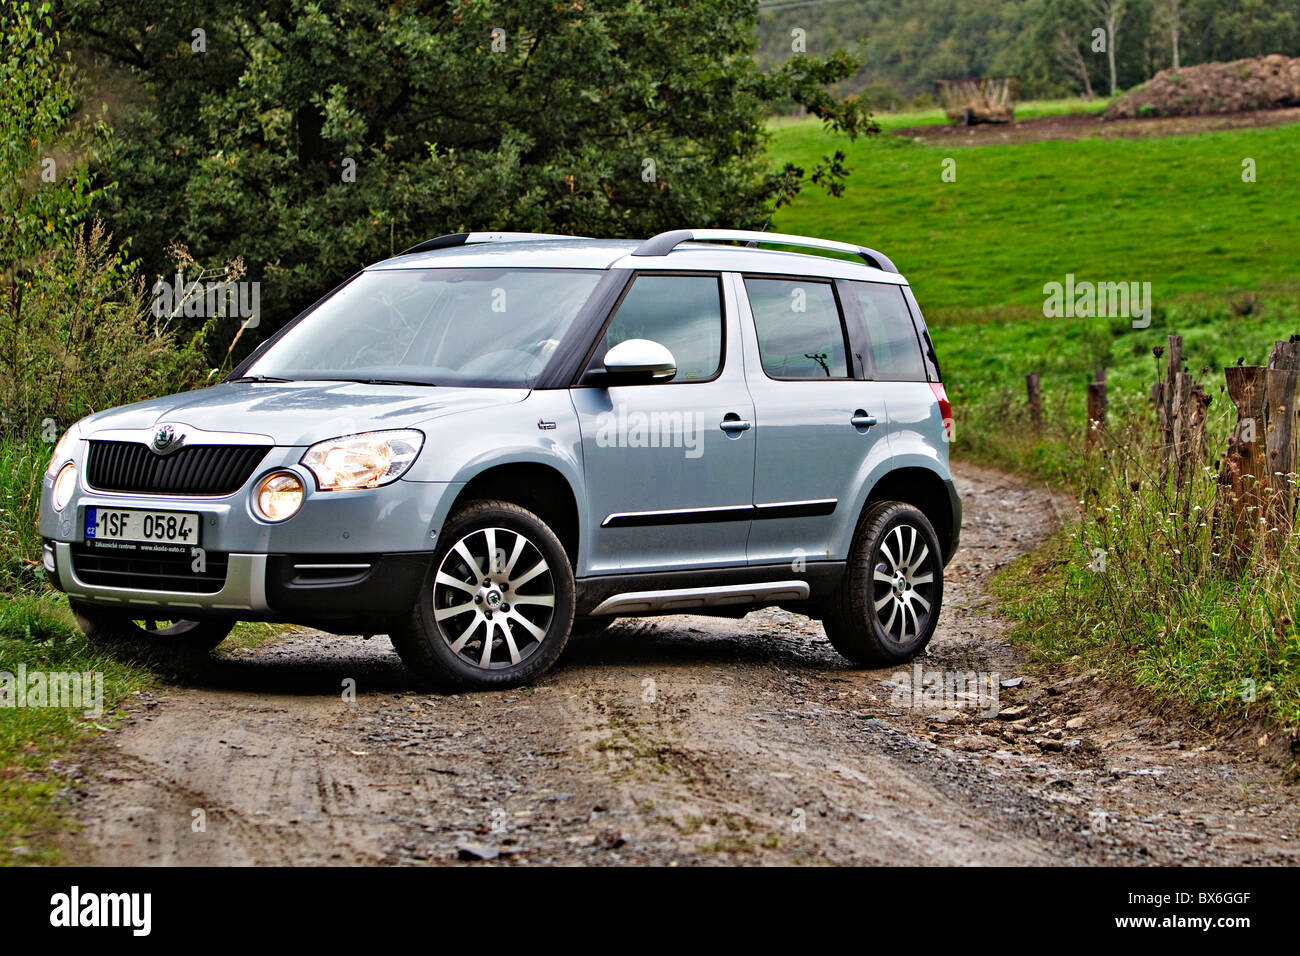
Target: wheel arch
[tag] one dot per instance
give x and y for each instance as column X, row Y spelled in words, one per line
column 930, row 493
column 541, row 488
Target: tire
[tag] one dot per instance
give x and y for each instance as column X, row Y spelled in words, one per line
column 877, row 623
column 115, row 629
column 478, row 636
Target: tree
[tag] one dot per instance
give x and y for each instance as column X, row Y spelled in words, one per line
column 1170, row 15
column 1111, row 14
column 1070, row 58
column 310, row 139
column 45, row 193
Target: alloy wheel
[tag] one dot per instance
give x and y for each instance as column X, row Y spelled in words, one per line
column 903, row 583
column 494, row 598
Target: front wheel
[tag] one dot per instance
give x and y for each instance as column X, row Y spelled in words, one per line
column 886, row 608
column 115, row 629
column 497, row 604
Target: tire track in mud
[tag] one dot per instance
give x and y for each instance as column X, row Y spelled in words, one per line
column 676, row 741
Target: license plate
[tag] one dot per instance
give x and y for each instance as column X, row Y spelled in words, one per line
column 146, row 527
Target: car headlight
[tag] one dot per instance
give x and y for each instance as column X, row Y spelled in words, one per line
column 278, row 496
column 363, row 461
column 64, row 485
column 63, row 449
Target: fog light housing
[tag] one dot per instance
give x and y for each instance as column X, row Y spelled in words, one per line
column 278, row 496
column 64, row 484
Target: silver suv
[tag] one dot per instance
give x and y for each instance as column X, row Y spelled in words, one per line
column 494, row 439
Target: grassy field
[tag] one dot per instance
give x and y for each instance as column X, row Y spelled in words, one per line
column 978, row 251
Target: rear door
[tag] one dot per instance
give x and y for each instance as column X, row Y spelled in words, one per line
column 894, row 354
column 821, row 427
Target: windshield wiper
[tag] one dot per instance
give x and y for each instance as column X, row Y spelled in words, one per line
column 385, row 381
column 258, row 378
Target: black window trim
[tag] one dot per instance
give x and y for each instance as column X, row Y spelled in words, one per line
column 850, row 359
column 585, row 368
column 934, row 373
column 866, row 332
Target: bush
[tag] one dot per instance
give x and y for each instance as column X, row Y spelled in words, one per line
column 79, row 337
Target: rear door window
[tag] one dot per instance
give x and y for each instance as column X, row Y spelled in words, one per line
column 891, row 337
column 800, row 329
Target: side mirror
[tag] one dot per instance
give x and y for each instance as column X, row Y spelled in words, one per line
column 639, row 361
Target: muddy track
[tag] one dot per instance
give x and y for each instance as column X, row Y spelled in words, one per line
column 678, row 741
column 1089, row 126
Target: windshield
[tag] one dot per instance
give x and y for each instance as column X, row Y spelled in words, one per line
column 485, row 327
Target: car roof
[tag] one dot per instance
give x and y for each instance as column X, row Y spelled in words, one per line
column 579, row 253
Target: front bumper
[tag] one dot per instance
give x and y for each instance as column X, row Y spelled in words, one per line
column 244, row 590
column 300, row 588
column 352, row 554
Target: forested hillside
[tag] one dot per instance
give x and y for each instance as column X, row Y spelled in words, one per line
column 1049, row 44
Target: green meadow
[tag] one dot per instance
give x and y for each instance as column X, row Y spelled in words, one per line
column 1220, row 254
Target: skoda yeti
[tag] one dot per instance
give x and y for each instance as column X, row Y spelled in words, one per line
column 495, row 439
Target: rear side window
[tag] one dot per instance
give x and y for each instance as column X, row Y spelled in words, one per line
column 682, row 313
column 800, row 331
column 891, row 337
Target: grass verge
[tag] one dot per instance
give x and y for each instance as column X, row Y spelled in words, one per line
column 38, row 634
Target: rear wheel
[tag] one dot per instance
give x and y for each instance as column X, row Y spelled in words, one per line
column 886, row 608
column 113, row 628
column 497, row 605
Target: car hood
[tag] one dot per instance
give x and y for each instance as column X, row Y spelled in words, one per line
column 300, row 413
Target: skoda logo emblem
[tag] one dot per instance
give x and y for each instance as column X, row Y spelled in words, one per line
column 166, row 440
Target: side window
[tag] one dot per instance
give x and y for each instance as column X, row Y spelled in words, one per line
column 683, row 313
column 891, row 335
column 800, row 332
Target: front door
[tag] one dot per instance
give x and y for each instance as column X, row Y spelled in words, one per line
column 669, row 467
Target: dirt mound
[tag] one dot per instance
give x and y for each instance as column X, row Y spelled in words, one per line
column 1258, row 83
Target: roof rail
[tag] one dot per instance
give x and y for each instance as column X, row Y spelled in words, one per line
column 473, row 238
column 665, row 242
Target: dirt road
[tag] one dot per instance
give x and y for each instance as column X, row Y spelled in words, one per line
column 678, row 741
column 1088, row 126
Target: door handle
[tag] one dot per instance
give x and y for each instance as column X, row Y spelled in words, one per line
column 733, row 424
column 860, row 419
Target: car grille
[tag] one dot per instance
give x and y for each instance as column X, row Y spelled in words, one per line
column 149, row 570
column 128, row 466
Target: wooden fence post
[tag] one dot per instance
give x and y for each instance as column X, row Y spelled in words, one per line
column 1257, row 473
column 1167, row 397
column 1281, row 397
column 1096, row 411
column 1240, row 496
column 1034, row 394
